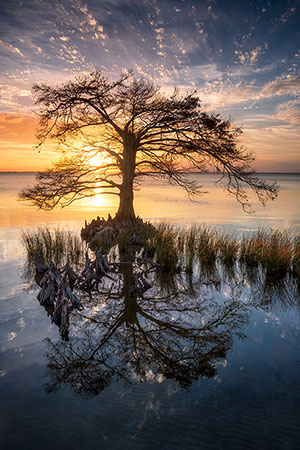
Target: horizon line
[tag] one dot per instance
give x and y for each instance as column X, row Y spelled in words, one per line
column 204, row 172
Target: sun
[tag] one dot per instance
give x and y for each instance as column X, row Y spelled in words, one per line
column 97, row 160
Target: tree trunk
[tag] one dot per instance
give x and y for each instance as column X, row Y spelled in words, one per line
column 126, row 211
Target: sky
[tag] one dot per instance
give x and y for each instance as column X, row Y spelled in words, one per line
column 241, row 56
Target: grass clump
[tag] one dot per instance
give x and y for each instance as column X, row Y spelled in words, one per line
column 276, row 253
column 272, row 249
column 56, row 245
column 208, row 242
column 166, row 249
column 251, row 249
column 228, row 250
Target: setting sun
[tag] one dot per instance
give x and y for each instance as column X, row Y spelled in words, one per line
column 97, row 160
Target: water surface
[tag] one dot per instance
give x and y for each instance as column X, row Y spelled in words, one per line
column 236, row 388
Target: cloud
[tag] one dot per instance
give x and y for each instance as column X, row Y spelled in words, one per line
column 14, row 98
column 287, row 14
column 10, row 48
column 289, row 111
column 251, row 57
column 224, row 93
column 289, row 84
column 200, row 73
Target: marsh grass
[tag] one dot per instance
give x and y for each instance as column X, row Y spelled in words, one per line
column 167, row 251
column 296, row 257
column 251, row 248
column 56, row 245
column 208, row 244
column 277, row 253
column 198, row 248
column 229, row 248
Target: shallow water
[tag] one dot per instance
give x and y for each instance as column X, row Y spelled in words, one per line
column 245, row 392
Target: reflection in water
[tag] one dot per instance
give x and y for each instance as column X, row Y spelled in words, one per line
column 134, row 336
column 158, row 200
column 180, row 330
column 274, row 294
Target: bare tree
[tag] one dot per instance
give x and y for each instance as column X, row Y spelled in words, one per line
column 112, row 132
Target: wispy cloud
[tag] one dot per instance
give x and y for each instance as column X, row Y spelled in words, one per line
column 10, row 48
column 287, row 14
column 289, row 111
column 287, row 84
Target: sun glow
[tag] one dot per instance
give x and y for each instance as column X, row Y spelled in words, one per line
column 97, row 160
column 98, row 199
column 99, row 164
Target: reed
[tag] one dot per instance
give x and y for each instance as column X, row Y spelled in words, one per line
column 174, row 248
column 207, row 248
column 228, row 250
column 165, row 241
column 56, row 245
column 277, row 253
column 251, row 249
column 190, row 239
column 296, row 257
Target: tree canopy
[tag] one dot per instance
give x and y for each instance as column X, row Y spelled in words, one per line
column 113, row 132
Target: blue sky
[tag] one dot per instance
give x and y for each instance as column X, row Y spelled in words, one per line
column 241, row 56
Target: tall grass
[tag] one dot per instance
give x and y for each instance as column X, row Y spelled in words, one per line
column 56, row 245
column 165, row 241
column 229, row 248
column 274, row 252
column 271, row 249
column 251, row 248
column 296, row 257
column 277, row 253
column 207, row 247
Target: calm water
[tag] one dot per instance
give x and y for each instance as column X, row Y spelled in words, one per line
column 228, row 379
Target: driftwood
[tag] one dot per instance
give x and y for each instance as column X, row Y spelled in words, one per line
column 57, row 292
column 94, row 271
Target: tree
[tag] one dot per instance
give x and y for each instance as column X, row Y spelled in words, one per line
column 112, row 132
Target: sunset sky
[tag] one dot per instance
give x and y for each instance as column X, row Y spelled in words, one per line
column 242, row 57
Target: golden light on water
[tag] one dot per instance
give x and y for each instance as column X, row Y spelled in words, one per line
column 99, row 200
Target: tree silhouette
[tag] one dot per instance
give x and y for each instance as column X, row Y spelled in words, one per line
column 112, row 132
column 133, row 336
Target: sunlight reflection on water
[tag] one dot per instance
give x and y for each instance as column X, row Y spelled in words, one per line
column 157, row 200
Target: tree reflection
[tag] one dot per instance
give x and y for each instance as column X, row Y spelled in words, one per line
column 135, row 335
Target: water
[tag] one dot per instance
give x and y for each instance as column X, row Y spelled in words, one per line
column 240, row 389
column 157, row 200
